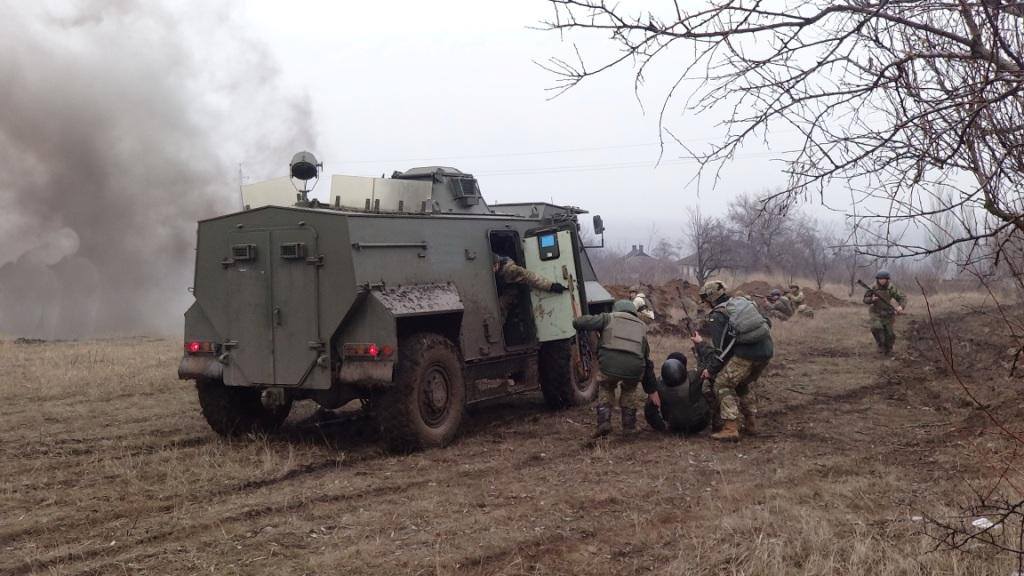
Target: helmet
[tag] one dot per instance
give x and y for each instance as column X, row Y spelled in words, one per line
column 713, row 290
column 794, row 287
column 673, row 373
column 775, row 293
column 883, row 273
column 624, row 306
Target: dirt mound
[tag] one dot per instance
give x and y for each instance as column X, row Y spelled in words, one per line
column 814, row 298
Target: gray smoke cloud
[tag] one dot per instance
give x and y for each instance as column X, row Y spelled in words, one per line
column 121, row 124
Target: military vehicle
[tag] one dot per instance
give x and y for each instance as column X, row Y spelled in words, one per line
column 386, row 294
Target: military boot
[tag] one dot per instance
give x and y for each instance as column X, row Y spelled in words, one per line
column 749, row 422
column 730, row 432
column 628, row 420
column 604, row 420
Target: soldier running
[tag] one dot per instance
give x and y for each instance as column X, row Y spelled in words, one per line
column 738, row 349
column 885, row 302
column 622, row 358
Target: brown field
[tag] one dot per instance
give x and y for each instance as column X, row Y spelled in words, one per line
column 107, row 467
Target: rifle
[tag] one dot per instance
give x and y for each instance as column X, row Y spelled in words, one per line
column 687, row 319
column 880, row 299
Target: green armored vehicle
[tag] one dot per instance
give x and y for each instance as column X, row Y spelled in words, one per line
column 387, row 293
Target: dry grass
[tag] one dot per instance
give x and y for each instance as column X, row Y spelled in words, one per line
column 107, row 468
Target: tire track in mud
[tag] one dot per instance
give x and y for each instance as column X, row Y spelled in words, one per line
column 259, row 511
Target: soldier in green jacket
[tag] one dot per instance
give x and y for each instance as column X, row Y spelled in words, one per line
column 622, row 355
column 885, row 302
column 508, row 272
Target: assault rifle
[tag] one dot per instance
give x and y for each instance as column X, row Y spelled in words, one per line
column 874, row 291
column 687, row 319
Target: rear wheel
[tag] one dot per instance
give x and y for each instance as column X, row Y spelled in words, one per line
column 235, row 411
column 562, row 380
column 424, row 408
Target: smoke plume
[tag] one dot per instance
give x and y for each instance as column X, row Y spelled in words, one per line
column 122, row 123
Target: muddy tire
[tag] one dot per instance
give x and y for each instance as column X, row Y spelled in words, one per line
column 235, row 411
column 424, row 409
column 559, row 381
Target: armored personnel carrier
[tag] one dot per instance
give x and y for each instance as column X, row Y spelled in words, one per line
column 388, row 294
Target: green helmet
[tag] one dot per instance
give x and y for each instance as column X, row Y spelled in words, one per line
column 883, row 273
column 713, row 290
column 624, row 306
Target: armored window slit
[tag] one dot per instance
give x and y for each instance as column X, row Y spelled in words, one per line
column 243, row 252
column 293, row 250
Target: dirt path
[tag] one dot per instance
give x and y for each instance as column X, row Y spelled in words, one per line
column 108, row 468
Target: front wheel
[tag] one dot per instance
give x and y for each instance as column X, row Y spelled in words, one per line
column 425, row 406
column 236, row 411
column 561, row 380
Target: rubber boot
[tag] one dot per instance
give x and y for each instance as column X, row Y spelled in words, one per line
column 628, row 420
column 604, row 420
column 749, row 422
column 730, row 432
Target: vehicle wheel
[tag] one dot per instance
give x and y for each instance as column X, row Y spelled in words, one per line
column 235, row 411
column 561, row 385
column 425, row 406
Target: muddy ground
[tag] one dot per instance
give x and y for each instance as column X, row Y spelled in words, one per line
column 106, row 467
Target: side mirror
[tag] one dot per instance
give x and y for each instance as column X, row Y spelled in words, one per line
column 598, row 225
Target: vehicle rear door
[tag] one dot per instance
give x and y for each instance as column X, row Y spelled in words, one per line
column 551, row 253
column 295, row 306
column 249, row 334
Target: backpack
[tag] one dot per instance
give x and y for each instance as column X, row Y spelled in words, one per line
column 746, row 324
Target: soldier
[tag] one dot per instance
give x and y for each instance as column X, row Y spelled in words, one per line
column 677, row 403
column 885, row 302
column 737, row 350
column 778, row 306
column 643, row 307
column 622, row 358
column 508, row 272
column 797, row 298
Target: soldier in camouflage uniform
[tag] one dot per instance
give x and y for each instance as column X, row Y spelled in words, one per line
column 777, row 306
column 737, row 349
column 643, row 306
column 508, row 272
column 622, row 356
column 796, row 298
column 885, row 302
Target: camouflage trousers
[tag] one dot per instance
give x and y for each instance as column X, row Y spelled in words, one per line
column 805, row 311
column 608, row 385
column 882, row 330
column 734, row 387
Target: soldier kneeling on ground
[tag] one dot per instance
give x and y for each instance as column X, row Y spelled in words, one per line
column 676, row 403
column 796, row 298
column 622, row 355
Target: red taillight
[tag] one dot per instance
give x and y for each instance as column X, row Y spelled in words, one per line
column 386, row 351
column 373, row 350
column 194, row 347
column 367, row 350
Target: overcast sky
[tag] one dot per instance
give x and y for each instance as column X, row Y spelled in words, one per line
column 399, row 83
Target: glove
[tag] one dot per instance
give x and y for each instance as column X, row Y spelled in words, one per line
column 557, row 288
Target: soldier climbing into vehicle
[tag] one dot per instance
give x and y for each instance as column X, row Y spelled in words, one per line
column 508, row 272
column 622, row 355
column 737, row 349
column 885, row 302
column 677, row 402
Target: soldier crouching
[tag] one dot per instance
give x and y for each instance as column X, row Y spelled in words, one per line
column 622, row 358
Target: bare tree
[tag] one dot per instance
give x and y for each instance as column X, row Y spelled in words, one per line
column 708, row 238
column 915, row 106
column 763, row 223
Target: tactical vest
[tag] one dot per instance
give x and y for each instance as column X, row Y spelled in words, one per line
column 745, row 322
column 625, row 333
